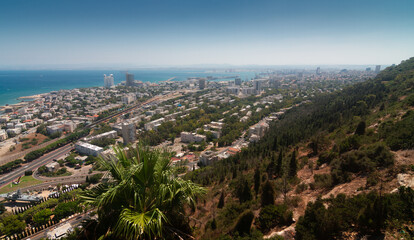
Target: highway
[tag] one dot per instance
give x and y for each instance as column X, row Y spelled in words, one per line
column 8, row 178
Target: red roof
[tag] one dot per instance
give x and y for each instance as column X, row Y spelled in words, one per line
column 233, row 150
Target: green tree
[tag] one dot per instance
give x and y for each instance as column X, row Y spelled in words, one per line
column 221, row 201
column 10, row 224
column 274, row 215
column 279, row 163
column 242, row 191
column 42, row 216
column 293, row 167
column 360, row 130
column 268, row 194
column 65, row 209
column 144, row 197
column 256, row 180
column 244, row 223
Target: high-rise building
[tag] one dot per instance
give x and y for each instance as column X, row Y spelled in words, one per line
column 318, row 70
column 129, row 79
column 202, row 83
column 368, row 69
column 128, row 133
column 237, row 81
column 257, row 84
column 377, row 68
column 108, row 81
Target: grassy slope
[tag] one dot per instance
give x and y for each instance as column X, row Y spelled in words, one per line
column 25, row 181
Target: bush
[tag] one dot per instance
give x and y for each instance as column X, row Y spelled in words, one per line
column 399, row 135
column 90, row 160
column 94, row 178
column 323, row 180
column 28, row 173
column 274, row 215
column 326, row 157
column 367, row 214
column 350, row 143
column 301, row 187
column 364, row 160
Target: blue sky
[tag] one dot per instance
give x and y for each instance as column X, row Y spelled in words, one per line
column 182, row 32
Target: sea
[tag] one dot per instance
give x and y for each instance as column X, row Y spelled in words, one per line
column 18, row 83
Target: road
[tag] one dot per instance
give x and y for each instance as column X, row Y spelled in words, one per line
column 8, row 178
column 74, row 221
column 20, row 155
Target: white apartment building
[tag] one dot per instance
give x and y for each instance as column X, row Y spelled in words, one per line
column 187, row 137
column 108, row 81
column 88, row 149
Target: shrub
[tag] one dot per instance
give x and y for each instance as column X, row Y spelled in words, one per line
column 326, row 157
column 399, row 135
column 367, row 214
column 301, row 187
column 274, row 215
column 323, row 180
column 95, row 178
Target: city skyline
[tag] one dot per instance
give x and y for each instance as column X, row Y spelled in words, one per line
column 189, row 33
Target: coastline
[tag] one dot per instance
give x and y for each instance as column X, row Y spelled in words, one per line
column 22, row 101
column 24, row 86
column 33, row 96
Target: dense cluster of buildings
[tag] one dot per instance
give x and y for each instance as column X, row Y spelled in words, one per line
column 63, row 111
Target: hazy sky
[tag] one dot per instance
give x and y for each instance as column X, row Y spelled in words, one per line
column 181, row 32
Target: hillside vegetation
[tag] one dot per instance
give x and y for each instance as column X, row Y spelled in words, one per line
column 328, row 168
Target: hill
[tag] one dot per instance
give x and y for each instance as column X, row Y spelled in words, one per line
column 335, row 167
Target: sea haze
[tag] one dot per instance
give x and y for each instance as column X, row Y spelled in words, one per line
column 15, row 84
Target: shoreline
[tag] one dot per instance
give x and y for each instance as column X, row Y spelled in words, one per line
column 22, row 101
column 32, row 97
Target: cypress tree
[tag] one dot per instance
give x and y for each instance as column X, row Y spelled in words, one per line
column 293, row 166
column 360, row 130
column 268, row 194
column 213, row 224
column 279, row 163
column 243, row 191
column 256, row 180
column 221, row 201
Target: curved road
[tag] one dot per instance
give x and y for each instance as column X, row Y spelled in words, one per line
column 8, row 178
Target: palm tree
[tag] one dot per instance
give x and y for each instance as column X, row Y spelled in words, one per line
column 143, row 199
